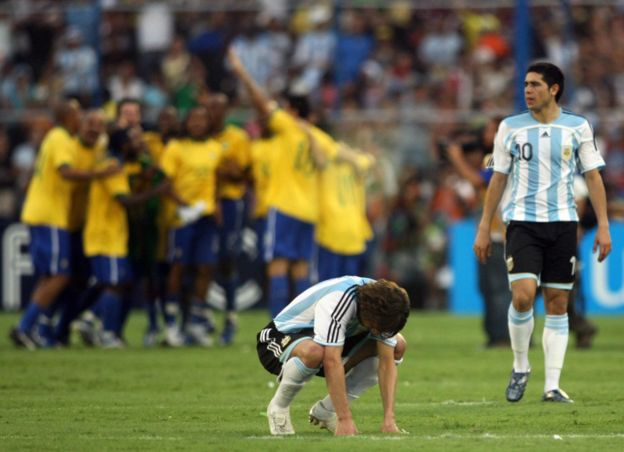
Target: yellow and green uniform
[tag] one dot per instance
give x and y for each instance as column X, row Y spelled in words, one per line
column 341, row 228
column 191, row 167
column 167, row 207
column 295, row 176
column 262, row 153
column 236, row 146
column 86, row 159
column 106, row 229
column 49, row 195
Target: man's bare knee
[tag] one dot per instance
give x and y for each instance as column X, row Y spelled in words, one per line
column 310, row 353
column 401, row 346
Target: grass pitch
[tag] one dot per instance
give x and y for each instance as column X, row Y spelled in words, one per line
column 450, row 396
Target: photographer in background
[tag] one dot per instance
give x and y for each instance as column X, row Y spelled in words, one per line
column 469, row 154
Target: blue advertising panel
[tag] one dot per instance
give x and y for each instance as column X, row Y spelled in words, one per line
column 602, row 283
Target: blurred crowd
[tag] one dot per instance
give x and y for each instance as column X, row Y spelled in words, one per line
column 398, row 82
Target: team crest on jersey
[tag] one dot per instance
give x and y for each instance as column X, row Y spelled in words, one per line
column 510, row 264
column 285, row 341
column 566, row 153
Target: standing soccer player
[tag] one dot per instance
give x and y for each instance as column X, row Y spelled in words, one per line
column 47, row 213
column 233, row 172
column 542, row 149
column 191, row 164
column 346, row 330
column 294, row 204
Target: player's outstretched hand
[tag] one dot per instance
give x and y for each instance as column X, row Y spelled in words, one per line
column 602, row 242
column 346, row 427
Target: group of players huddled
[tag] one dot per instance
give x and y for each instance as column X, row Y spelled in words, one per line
column 114, row 210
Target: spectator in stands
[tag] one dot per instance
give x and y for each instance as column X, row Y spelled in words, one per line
column 76, row 63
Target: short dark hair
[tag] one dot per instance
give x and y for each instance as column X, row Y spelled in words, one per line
column 551, row 75
column 299, row 103
column 384, row 303
column 127, row 101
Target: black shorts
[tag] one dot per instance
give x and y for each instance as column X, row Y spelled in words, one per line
column 271, row 344
column 545, row 251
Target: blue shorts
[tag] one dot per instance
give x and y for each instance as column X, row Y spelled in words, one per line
column 288, row 238
column 111, row 270
column 195, row 243
column 233, row 215
column 328, row 265
column 50, row 250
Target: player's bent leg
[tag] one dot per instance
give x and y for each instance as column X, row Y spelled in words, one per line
column 303, row 364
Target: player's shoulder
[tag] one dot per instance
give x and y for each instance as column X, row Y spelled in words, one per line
column 572, row 119
column 58, row 135
column 236, row 131
column 517, row 120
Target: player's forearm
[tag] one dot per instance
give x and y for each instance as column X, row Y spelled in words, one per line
column 336, row 386
column 597, row 196
column 387, row 374
column 259, row 99
column 492, row 199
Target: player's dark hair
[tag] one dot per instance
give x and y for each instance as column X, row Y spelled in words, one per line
column 63, row 109
column 127, row 101
column 551, row 75
column 300, row 104
column 384, row 303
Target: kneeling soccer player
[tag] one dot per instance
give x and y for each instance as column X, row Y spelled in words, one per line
column 346, row 330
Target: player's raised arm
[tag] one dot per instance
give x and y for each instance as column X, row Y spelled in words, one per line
column 261, row 101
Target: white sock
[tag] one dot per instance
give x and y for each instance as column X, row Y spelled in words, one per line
column 359, row 379
column 520, row 330
column 293, row 377
column 554, row 343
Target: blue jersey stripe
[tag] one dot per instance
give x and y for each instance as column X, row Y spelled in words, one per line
column 534, row 174
column 555, row 174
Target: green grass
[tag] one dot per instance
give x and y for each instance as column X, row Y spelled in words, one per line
column 450, row 396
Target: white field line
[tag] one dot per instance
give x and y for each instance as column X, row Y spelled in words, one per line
column 447, row 436
column 449, row 403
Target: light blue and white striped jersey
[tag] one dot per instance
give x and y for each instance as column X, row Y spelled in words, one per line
column 542, row 160
column 330, row 309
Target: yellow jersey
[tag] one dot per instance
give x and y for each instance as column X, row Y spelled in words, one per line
column 295, row 175
column 155, row 145
column 86, row 159
column 191, row 166
column 48, row 198
column 263, row 151
column 340, row 228
column 106, row 228
column 236, row 146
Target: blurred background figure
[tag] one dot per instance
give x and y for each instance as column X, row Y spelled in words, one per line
column 470, row 155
